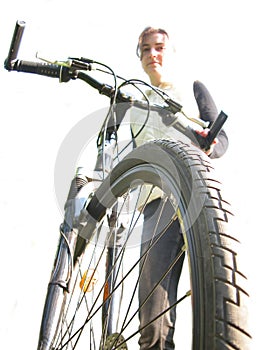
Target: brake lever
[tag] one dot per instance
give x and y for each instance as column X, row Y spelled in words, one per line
column 71, row 63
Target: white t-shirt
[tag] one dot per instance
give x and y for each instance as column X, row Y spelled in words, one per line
column 155, row 129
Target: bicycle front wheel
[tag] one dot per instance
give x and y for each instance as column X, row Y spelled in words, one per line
column 163, row 194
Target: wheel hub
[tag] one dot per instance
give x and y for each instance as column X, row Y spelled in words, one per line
column 115, row 341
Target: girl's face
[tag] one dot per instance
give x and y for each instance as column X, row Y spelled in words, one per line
column 153, row 52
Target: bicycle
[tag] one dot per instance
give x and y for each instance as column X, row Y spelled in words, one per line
column 86, row 303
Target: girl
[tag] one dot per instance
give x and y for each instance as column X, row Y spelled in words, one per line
column 156, row 55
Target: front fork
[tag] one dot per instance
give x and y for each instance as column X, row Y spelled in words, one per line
column 81, row 190
column 63, row 266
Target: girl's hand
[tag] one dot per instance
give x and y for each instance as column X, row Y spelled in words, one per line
column 204, row 133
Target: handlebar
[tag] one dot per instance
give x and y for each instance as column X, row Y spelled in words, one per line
column 171, row 112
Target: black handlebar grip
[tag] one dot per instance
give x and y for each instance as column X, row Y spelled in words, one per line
column 216, row 127
column 49, row 70
column 205, row 142
column 15, row 44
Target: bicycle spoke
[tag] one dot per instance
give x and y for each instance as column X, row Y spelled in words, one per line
column 187, row 294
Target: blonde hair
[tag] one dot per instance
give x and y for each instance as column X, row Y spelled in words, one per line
column 145, row 32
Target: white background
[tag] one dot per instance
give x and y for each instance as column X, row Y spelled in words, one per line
column 217, row 42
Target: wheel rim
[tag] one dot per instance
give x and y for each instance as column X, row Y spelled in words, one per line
column 89, row 301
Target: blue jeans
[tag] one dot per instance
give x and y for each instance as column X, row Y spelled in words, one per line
column 159, row 334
